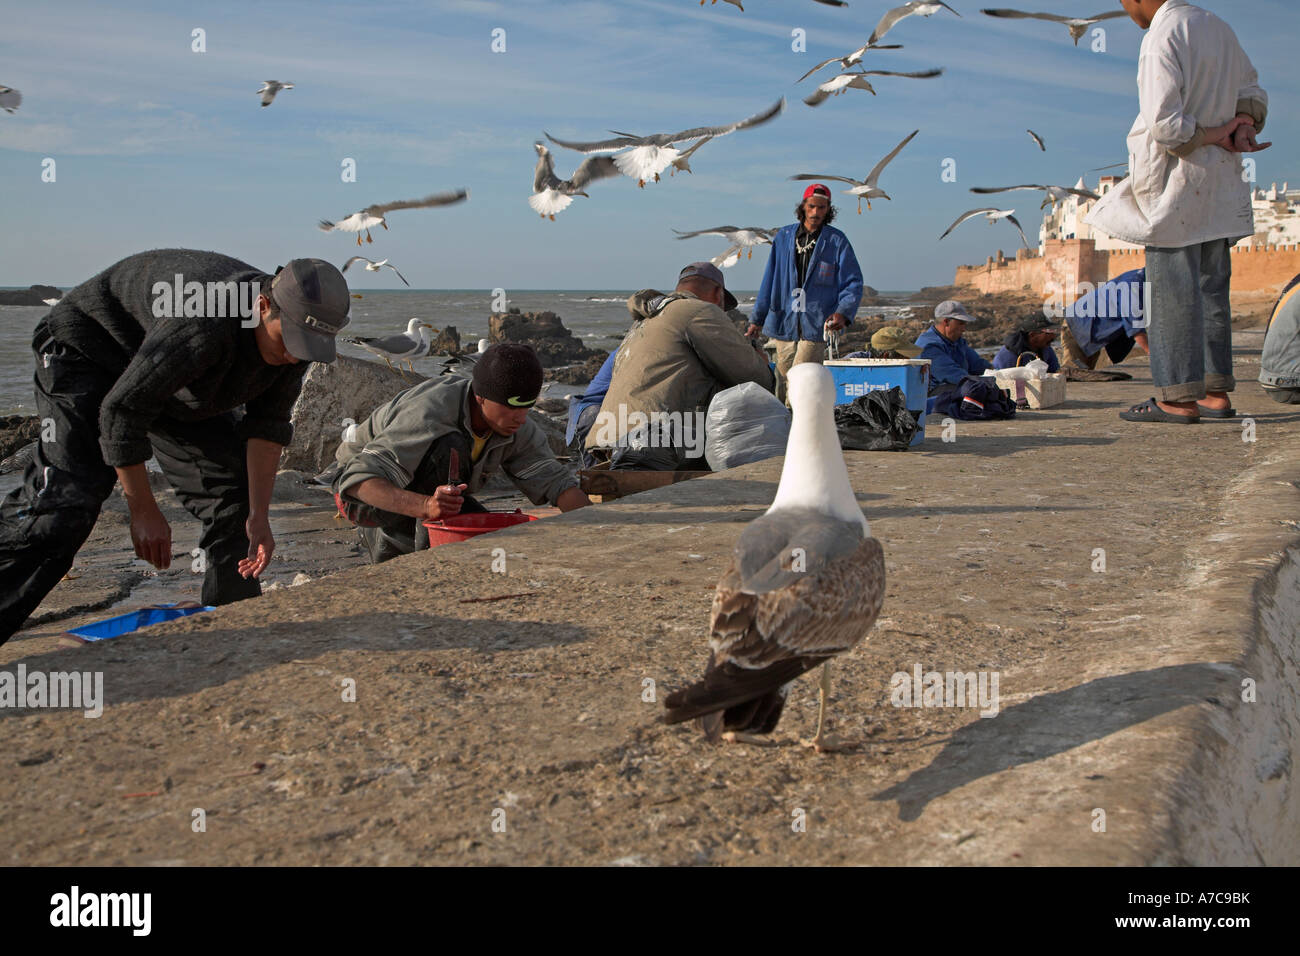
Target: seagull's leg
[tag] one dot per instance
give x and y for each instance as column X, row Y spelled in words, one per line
column 860, row 206
column 640, row 183
column 552, row 217
column 656, row 177
column 751, row 253
column 820, row 742
column 388, row 363
column 368, row 239
column 358, row 238
column 868, row 205
column 384, row 224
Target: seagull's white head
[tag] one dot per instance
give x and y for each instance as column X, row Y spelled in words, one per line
column 814, row 474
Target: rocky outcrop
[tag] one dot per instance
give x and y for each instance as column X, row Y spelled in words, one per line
column 347, row 388
column 36, row 295
column 581, row 374
column 17, row 431
column 446, row 342
column 544, row 332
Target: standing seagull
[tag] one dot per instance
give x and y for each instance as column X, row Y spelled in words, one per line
column 372, row 216
column 992, row 215
column 270, row 88
column 372, row 266
column 856, row 80
column 551, row 194
column 411, row 344
column 922, row 8
column 9, row 99
column 648, row 156
column 1077, row 26
column 805, row 583
column 867, row 188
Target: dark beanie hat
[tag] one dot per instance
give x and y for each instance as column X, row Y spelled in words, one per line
column 510, row 374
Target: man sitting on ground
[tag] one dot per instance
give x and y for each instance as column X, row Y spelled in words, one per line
column 396, row 473
column 1032, row 339
column 951, row 357
column 684, row 350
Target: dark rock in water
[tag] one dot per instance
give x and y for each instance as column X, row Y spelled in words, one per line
column 581, row 374
column 36, row 295
column 16, row 431
column 553, row 406
column 544, row 332
column 447, row 342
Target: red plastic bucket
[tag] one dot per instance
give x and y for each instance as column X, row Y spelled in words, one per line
column 466, row 526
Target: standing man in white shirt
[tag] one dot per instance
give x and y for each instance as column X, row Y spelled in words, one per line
column 1186, row 200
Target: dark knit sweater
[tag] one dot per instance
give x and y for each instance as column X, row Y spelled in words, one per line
column 184, row 369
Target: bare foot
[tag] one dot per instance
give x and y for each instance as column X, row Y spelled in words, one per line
column 1141, row 339
column 828, row 743
column 740, row 737
column 1216, row 400
column 1180, row 408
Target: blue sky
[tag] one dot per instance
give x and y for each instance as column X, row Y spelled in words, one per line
column 156, row 145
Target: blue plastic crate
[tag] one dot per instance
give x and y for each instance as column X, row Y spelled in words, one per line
column 134, row 620
column 856, row 377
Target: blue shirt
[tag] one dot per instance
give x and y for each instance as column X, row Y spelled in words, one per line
column 1007, row 358
column 950, row 362
column 833, row 284
column 1114, row 310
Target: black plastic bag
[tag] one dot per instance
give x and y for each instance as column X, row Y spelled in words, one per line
column 876, row 421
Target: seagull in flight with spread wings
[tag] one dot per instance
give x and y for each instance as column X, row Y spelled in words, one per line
column 643, row 157
column 850, row 59
column 992, row 215
column 1077, row 26
column 373, row 266
column 372, row 216
column 922, row 8
column 270, row 88
column 741, row 240
column 10, row 99
column 865, row 188
column 1054, row 193
column 856, row 80
column 551, row 194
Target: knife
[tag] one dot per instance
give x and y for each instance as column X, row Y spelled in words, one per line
column 453, row 473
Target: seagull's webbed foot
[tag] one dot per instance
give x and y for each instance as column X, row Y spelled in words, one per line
column 740, row 737
column 860, row 207
column 656, row 177
column 552, row 217
column 368, row 239
column 640, row 183
column 751, row 253
column 358, row 238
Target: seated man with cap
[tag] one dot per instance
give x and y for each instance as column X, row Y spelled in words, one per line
column 943, row 343
column 683, row 350
column 416, row 456
column 1032, row 339
column 203, row 380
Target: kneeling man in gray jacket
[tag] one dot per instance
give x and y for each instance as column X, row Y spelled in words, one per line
column 396, row 472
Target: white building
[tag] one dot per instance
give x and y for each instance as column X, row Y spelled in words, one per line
column 1277, row 217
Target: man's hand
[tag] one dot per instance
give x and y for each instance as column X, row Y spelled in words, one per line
column 152, row 537
column 1243, row 139
column 260, row 546
column 1223, row 136
column 836, row 322
column 753, row 331
column 445, row 502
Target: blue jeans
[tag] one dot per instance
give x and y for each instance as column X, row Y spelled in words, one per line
column 1190, row 320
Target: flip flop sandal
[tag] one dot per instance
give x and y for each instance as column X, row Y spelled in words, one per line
column 1216, row 412
column 1149, row 411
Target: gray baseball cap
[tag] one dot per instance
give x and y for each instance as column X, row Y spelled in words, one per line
column 707, row 270
column 314, row 304
column 952, row 309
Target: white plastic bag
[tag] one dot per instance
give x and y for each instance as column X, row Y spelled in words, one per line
column 1035, row 369
column 745, row 423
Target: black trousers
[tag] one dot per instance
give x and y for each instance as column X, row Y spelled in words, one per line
column 45, row 522
column 388, row 535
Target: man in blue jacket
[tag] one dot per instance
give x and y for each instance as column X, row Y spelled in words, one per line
column 951, row 357
column 812, row 285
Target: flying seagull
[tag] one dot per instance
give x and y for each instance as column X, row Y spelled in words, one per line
column 805, row 583
column 1037, row 139
column 992, row 215
column 1054, row 193
column 270, row 88
column 648, row 156
column 411, row 344
column 741, row 239
column 1077, row 26
column 551, row 194
column 9, row 99
column 734, row 3
column 866, row 188
column 855, row 80
column 922, row 8
column 372, row 216
column 373, row 266
column 847, row 61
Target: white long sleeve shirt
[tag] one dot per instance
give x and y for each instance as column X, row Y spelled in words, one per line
column 1192, row 75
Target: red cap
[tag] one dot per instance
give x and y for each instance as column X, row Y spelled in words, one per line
column 816, row 189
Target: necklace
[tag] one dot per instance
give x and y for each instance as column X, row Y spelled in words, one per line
column 803, row 248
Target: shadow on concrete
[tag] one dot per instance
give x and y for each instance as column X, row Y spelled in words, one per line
column 993, row 446
column 149, row 665
column 1052, row 723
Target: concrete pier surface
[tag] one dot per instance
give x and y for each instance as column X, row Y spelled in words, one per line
column 1135, row 588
